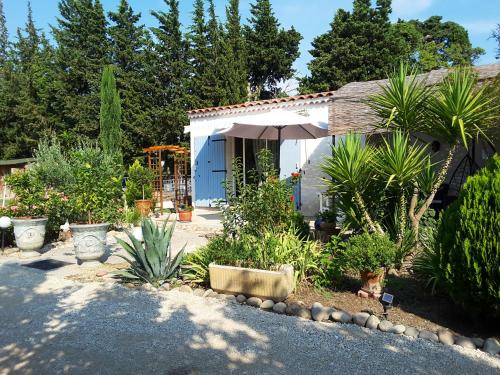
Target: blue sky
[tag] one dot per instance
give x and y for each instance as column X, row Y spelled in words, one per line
column 310, row 17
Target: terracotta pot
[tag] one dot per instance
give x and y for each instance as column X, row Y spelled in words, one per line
column 185, row 216
column 372, row 283
column 144, row 206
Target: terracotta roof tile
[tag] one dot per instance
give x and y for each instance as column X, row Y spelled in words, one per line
column 263, row 102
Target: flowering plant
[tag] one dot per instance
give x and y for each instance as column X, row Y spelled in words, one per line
column 30, row 197
column 296, row 177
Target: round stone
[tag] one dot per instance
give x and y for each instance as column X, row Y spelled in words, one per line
column 101, row 273
column 186, row 289
column 341, row 316
column 207, row 293
column 372, row 322
column 254, row 301
column 320, row 313
column 360, row 318
column 165, row 287
column 293, row 308
column 279, row 307
column 229, row 298
column 465, row 342
column 397, row 329
column 492, row 346
column 241, row 298
column 199, row 292
column 267, row 304
column 478, row 341
column 446, row 337
column 385, row 325
column 304, row 313
column 411, row 332
column 428, row 335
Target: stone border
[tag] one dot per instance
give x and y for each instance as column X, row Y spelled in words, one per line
column 320, row 313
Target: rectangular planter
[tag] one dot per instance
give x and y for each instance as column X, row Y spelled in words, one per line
column 275, row 285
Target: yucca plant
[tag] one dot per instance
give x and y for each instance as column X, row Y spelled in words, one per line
column 152, row 261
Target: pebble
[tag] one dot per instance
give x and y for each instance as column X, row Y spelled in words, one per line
column 397, row 329
column 428, row 335
column 254, row 301
column 186, row 289
column 385, row 325
column 411, row 332
column 492, row 346
column 465, row 342
column 372, row 322
column 279, row 307
column 341, row 316
column 268, row 304
column 446, row 337
column 360, row 318
column 199, row 292
column 241, row 298
column 207, row 293
column 320, row 313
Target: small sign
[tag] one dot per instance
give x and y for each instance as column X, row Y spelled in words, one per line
column 387, row 298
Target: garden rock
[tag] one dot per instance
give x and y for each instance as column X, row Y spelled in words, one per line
column 341, row 316
column 492, row 346
column 465, row 342
column 241, row 298
column 411, row 332
column 199, row 292
column 279, row 307
column 428, row 335
column 186, row 289
column 478, row 341
column 372, row 322
column 293, row 308
column 166, row 287
column 320, row 313
column 360, row 318
column 385, row 325
column 208, row 292
column 230, row 298
column 446, row 337
column 254, row 301
column 304, row 313
column 397, row 329
column 267, row 304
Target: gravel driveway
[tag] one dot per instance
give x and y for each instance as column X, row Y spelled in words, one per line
column 49, row 325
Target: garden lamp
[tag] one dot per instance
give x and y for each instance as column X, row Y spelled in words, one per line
column 387, row 300
column 4, row 225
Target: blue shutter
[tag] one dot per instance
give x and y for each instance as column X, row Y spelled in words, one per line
column 289, row 163
column 210, row 170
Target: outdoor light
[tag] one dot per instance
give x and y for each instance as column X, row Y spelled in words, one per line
column 387, row 300
column 4, row 225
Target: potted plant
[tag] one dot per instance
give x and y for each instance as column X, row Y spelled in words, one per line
column 139, row 188
column 185, row 213
column 370, row 255
column 133, row 217
column 29, row 209
column 95, row 197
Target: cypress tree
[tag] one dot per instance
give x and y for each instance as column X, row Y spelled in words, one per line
column 110, row 116
column 171, row 74
column 237, row 72
column 130, row 44
column 271, row 50
column 4, row 35
column 83, row 51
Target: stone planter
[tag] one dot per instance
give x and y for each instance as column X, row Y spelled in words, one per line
column 29, row 234
column 90, row 242
column 274, row 285
column 144, row 206
column 372, row 283
column 185, row 216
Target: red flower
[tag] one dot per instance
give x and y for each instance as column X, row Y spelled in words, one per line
column 295, row 174
column 292, row 198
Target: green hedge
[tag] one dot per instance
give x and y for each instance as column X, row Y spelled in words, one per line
column 468, row 242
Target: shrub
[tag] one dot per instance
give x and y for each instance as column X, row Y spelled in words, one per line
column 139, row 183
column 469, row 243
column 52, row 166
column 152, row 261
column 30, row 197
column 366, row 253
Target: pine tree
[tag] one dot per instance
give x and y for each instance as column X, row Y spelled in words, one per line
column 171, row 69
column 110, row 116
column 83, row 51
column 4, row 35
column 130, row 43
column 237, row 72
column 271, row 50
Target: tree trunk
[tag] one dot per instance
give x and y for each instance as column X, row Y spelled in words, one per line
column 402, row 218
column 373, row 225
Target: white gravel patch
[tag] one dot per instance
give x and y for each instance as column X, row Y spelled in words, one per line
column 49, row 325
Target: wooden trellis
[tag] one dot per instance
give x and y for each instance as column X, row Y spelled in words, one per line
column 156, row 156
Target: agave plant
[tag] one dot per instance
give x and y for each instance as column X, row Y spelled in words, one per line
column 152, row 261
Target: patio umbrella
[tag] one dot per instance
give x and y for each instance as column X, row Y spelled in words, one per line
column 277, row 125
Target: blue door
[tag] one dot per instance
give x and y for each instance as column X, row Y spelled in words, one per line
column 210, row 169
column 289, row 163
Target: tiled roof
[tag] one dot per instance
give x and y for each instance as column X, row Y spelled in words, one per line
column 263, row 102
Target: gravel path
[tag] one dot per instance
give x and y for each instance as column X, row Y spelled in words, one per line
column 50, row 325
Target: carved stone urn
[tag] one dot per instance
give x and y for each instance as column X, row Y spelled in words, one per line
column 90, row 242
column 29, row 234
